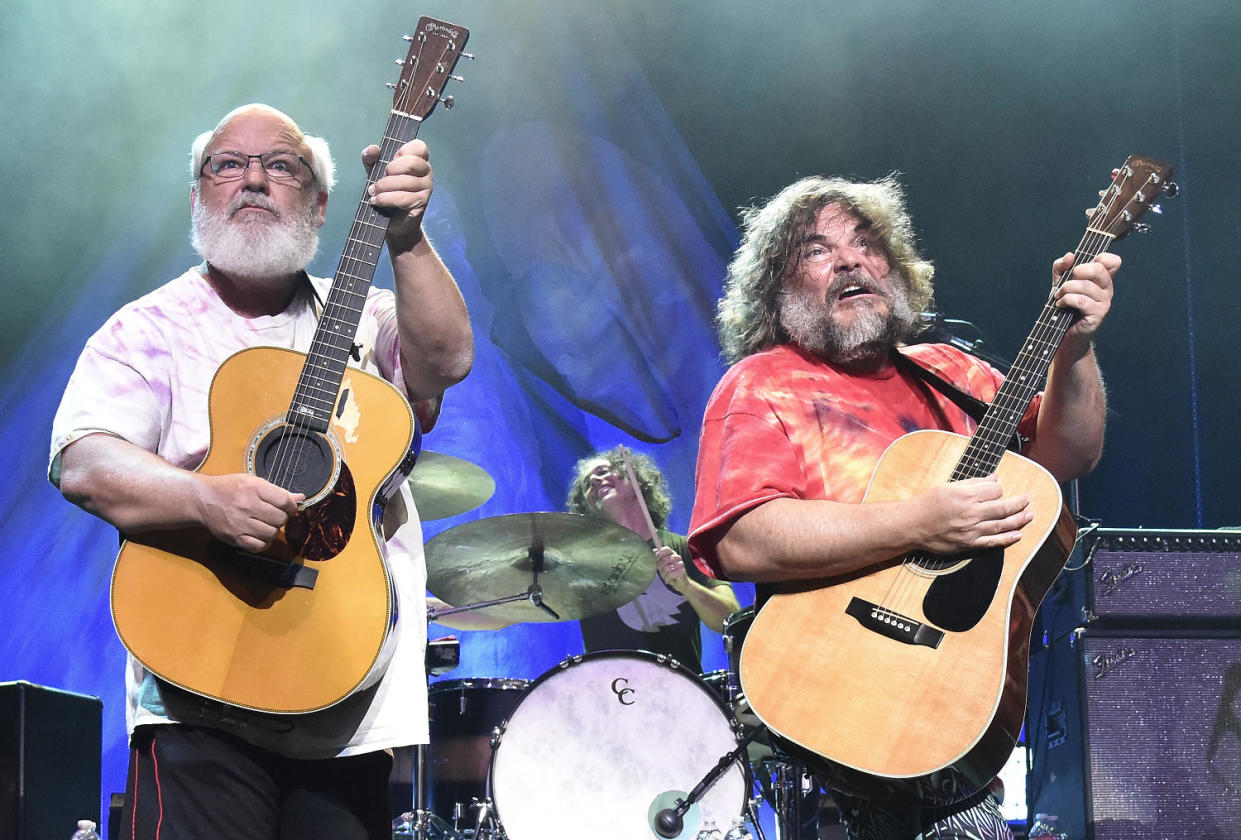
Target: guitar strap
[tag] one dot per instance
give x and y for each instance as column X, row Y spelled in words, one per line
column 971, row 405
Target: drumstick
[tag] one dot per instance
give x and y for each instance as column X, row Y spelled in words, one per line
column 637, row 491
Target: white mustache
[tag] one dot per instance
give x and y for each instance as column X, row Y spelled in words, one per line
column 253, row 200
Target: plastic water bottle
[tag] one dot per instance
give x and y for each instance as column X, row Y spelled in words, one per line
column 708, row 831
column 86, row 831
column 1045, row 827
column 738, row 831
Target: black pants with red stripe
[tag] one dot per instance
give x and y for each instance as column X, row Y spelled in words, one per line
column 195, row 783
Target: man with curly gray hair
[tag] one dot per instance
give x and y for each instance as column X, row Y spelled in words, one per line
column 665, row 618
column 820, row 296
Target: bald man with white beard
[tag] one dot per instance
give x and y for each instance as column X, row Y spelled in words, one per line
column 133, row 426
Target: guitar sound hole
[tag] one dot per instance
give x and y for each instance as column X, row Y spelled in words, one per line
column 299, row 461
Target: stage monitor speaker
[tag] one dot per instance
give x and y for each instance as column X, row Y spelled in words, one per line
column 1137, row 735
column 50, row 759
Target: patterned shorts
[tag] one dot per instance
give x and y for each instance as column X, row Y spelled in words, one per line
column 976, row 818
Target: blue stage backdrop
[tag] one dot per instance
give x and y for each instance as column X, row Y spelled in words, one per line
column 587, row 188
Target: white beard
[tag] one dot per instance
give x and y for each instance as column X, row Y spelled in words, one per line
column 868, row 335
column 253, row 246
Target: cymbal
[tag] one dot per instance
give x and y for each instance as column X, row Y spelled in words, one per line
column 445, row 486
column 590, row 566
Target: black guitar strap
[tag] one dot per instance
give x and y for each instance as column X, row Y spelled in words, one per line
column 971, row 405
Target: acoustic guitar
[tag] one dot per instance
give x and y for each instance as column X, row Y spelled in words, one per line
column 909, row 679
column 309, row 621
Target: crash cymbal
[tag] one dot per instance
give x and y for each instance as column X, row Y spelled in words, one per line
column 445, row 486
column 589, row 566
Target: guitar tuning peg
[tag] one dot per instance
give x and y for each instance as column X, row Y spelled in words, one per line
column 1155, row 208
column 400, row 62
column 1090, row 211
column 470, row 56
column 1170, row 189
column 390, row 86
column 409, row 38
column 457, row 79
column 1102, row 193
column 1141, row 227
column 1115, row 173
column 448, row 102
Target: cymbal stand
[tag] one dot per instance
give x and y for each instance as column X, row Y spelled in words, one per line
column 533, row 593
column 786, row 799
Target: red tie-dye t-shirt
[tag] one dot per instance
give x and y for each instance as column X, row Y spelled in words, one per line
column 784, row 424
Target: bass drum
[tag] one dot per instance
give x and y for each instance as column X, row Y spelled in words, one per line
column 603, row 742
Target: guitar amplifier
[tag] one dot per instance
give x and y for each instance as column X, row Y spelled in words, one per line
column 1153, row 579
column 50, row 742
column 1136, row 736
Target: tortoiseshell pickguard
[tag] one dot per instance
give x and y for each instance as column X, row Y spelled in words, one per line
column 322, row 531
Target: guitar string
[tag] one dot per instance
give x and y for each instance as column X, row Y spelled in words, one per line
column 366, row 218
column 1044, row 333
column 288, row 456
column 1049, row 329
column 357, row 247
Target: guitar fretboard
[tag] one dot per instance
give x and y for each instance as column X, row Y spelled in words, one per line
column 1026, row 376
column 318, row 386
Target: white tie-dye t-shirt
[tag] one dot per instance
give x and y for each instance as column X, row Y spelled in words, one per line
column 144, row 377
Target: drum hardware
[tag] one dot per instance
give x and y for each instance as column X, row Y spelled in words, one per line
column 670, row 822
column 568, row 566
column 786, row 799
column 533, row 594
column 443, row 655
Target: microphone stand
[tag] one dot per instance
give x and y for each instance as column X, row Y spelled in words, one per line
column 670, row 821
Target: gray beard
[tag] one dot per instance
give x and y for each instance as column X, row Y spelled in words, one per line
column 254, row 247
column 868, row 336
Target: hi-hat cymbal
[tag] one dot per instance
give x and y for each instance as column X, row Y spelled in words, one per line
column 589, row 566
column 445, row 486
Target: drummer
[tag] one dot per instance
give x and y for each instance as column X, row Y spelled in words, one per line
column 664, row 619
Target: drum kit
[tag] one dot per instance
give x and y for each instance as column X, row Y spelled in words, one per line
column 615, row 745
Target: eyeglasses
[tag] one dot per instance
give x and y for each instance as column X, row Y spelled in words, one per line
column 229, row 166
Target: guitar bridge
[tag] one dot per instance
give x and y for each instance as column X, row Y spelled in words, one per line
column 895, row 626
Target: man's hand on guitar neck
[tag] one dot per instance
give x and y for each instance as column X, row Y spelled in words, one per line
column 1088, row 292
column 137, row 491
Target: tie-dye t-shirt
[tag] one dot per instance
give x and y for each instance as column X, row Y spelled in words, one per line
column 784, row 424
column 144, row 377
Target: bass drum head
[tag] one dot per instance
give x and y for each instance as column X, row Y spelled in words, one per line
column 599, row 744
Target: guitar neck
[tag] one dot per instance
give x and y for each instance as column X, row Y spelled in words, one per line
column 319, row 383
column 1135, row 184
column 433, row 53
column 1027, row 375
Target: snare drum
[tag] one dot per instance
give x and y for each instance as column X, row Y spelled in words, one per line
column 464, row 713
column 600, row 744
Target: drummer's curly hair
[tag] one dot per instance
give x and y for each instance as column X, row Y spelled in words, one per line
column 651, row 481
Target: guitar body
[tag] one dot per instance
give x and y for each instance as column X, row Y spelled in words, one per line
column 890, row 717
column 236, row 627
